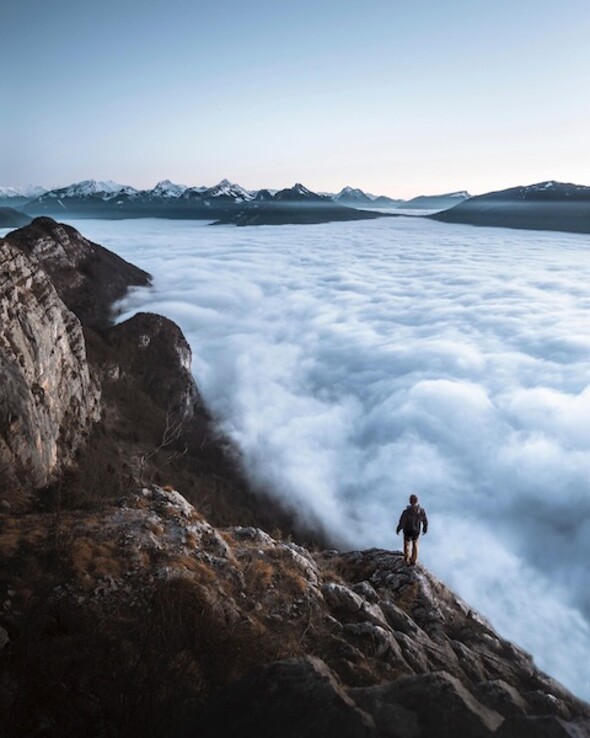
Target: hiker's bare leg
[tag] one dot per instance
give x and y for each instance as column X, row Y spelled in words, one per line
column 406, row 549
column 414, row 551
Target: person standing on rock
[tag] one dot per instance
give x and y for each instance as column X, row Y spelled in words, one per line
column 412, row 521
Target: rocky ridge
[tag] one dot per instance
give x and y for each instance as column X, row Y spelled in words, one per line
column 377, row 648
column 87, row 277
column 129, row 609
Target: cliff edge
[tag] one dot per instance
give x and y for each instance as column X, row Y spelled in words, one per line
column 127, row 608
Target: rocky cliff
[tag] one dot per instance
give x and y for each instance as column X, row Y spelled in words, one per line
column 87, row 277
column 48, row 400
column 125, row 610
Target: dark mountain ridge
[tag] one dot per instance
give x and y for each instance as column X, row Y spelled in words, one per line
column 553, row 206
column 11, row 218
column 436, row 202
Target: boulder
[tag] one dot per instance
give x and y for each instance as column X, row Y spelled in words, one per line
column 442, row 705
column 502, row 697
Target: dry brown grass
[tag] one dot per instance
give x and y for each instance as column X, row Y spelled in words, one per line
column 91, row 557
column 143, row 669
column 330, row 570
column 259, row 574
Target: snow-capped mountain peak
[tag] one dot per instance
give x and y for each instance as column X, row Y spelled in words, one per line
column 549, row 185
column 352, row 194
column 166, row 188
column 103, row 189
column 225, row 188
column 94, row 187
column 301, row 189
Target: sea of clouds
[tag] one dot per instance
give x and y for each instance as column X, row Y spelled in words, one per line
column 355, row 363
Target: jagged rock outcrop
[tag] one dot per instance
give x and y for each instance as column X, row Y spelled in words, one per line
column 87, row 277
column 54, row 286
column 377, row 648
column 48, row 400
column 153, row 424
column 152, row 351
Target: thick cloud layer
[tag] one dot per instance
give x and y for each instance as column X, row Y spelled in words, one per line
column 355, row 363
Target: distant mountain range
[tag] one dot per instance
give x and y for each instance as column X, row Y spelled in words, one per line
column 111, row 199
column 552, row 206
column 225, row 202
column 542, row 206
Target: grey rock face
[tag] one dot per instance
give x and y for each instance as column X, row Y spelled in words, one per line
column 48, row 401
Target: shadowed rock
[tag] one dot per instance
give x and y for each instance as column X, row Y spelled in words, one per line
column 291, row 699
column 442, row 705
column 543, row 727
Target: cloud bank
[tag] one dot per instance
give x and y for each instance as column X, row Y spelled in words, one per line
column 355, row 363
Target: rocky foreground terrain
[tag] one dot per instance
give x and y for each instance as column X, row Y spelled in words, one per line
column 146, row 589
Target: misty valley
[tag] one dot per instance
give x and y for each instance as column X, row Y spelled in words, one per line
column 353, row 362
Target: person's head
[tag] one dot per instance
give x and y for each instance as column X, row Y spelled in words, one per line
column 413, row 500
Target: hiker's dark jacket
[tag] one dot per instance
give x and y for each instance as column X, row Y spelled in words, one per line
column 412, row 519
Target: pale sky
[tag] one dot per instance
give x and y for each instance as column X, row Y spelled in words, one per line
column 398, row 98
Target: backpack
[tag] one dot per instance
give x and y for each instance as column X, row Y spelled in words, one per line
column 413, row 520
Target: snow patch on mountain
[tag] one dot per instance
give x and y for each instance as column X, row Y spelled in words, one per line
column 25, row 191
column 225, row 188
column 166, row 188
column 91, row 187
